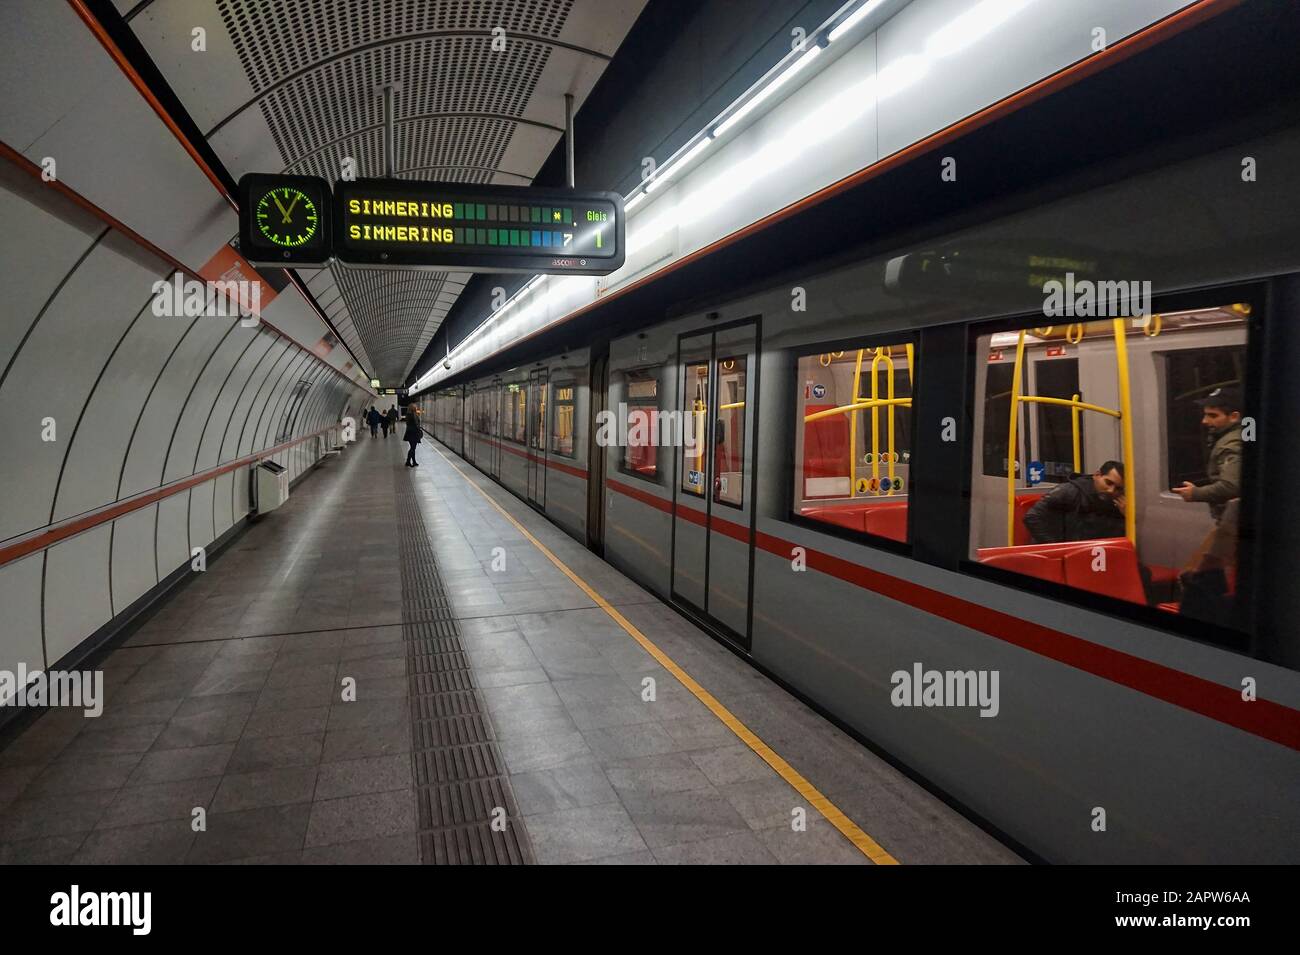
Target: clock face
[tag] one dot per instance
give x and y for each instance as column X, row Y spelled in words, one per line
column 286, row 217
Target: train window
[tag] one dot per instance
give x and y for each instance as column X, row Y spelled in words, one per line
column 729, row 432
column 1189, row 375
column 695, row 395
column 641, row 396
column 562, row 419
column 853, row 452
column 537, row 434
column 1126, row 441
column 516, row 413
column 1051, row 372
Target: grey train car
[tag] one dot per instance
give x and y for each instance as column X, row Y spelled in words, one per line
column 840, row 492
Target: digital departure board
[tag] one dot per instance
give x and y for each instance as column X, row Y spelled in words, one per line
column 284, row 220
column 393, row 223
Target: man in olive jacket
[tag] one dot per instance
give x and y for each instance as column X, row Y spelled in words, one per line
column 1086, row 507
column 1221, row 418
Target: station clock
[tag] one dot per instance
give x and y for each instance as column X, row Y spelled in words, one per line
column 283, row 220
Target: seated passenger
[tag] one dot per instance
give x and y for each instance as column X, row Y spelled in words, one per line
column 1086, row 507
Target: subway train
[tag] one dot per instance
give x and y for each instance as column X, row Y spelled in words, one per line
column 833, row 472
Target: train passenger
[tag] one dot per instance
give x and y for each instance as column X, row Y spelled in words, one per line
column 1221, row 418
column 413, row 435
column 1086, row 507
column 1206, row 586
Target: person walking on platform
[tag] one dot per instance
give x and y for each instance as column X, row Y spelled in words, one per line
column 413, row 435
column 372, row 419
column 385, row 423
column 391, row 420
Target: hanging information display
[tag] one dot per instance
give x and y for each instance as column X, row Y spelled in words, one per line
column 394, row 223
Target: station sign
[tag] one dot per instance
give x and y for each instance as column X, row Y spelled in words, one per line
column 387, row 223
column 284, row 220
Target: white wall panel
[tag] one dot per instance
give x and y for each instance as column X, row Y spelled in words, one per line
column 959, row 56
column 20, row 596
column 173, row 533
column 247, row 428
column 206, row 387
column 223, row 516
column 77, row 598
column 218, row 415
column 94, row 462
column 134, row 559
column 39, row 246
column 253, row 384
column 200, row 515
column 148, row 451
column 54, row 371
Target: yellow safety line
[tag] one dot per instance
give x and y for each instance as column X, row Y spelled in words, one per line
column 847, row 827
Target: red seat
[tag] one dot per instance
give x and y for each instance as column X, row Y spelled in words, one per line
column 1023, row 503
column 825, row 445
column 887, row 520
column 1076, row 559
column 1042, row 566
column 1119, row 579
column 851, row 517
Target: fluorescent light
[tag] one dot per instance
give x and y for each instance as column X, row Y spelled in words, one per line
column 627, row 206
column 853, row 19
column 767, row 91
column 674, row 168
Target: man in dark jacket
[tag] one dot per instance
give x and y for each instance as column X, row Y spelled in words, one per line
column 413, row 435
column 1086, row 507
column 1221, row 418
column 372, row 419
column 391, row 420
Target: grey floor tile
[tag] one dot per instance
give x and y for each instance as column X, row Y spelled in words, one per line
column 583, row 834
column 565, row 787
column 741, row 848
column 45, row 850
column 735, row 763
column 155, row 802
column 819, row 844
column 252, row 832
column 275, row 752
column 356, row 742
column 353, row 777
column 652, row 775
column 766, row 803
column 266, row 787
column 400, row 849
column 166, row 765
column 667, row 819
column 353, row 818
column 297, row 722
column 154, row 843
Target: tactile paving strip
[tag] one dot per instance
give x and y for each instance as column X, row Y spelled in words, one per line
column 461, row 784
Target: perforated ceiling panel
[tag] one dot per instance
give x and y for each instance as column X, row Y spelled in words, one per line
column 481, row 101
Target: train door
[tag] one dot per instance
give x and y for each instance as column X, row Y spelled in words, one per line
column 712, row 482
column 535, row 439
column 598, row 391
column 497, row 396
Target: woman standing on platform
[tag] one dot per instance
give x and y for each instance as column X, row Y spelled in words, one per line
column 413, row 435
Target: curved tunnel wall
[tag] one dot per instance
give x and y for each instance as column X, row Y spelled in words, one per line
column 105, row 402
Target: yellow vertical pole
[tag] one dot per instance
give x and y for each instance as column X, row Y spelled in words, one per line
column 853, row 428
column 889, row 370
column 1012, row 437
column 911, row 366
column 1074, row 426
column 875, row 418
column 1126, row 430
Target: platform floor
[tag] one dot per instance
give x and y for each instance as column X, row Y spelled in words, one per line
column 229, row 699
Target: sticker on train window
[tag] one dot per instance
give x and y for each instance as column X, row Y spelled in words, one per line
column 695, row 478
